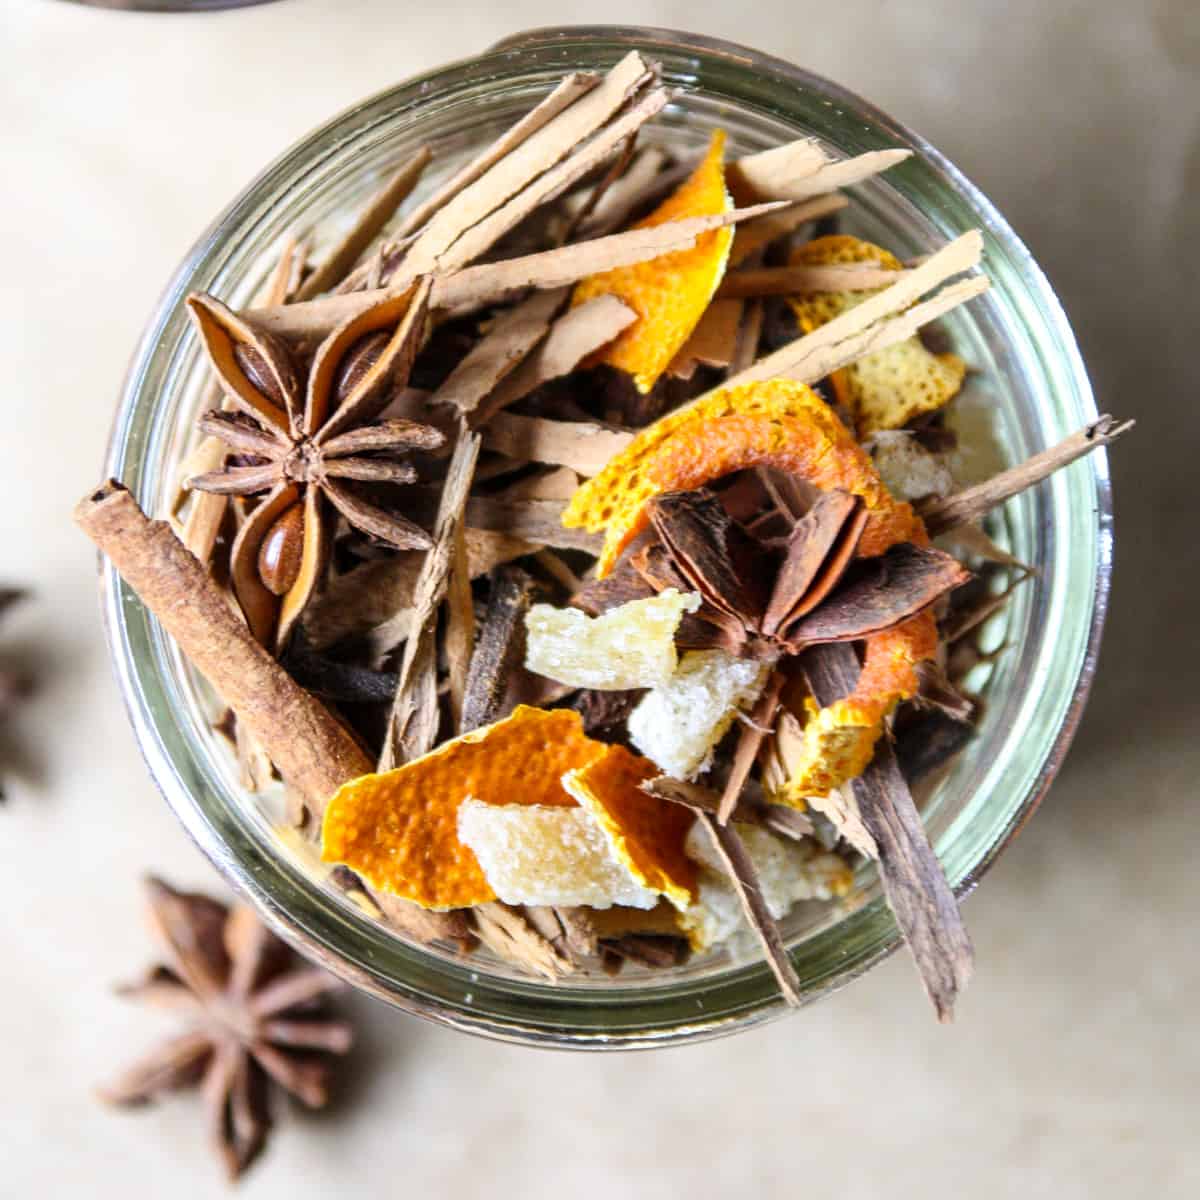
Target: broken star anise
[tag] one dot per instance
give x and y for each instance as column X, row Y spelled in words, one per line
column 254, row 1015
column 768, row 598
column 305, row 447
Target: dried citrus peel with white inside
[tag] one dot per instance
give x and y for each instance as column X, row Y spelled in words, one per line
column 776, row 422
column 631, row 646
column 887, row 388
column 399, row 829
column 646, row 833
column 669, row 293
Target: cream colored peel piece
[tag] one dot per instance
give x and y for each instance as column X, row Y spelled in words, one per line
column 787, row 871
column 535, row 854
column 631, row 646
column 679, row 723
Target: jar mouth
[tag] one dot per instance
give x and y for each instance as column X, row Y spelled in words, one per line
column 1041, row 392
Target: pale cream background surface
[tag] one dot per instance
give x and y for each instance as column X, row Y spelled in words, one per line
column 1074, row 1068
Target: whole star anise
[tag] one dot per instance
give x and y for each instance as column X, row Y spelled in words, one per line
column 254, row 1014
column 307, row 446
column 769, row 598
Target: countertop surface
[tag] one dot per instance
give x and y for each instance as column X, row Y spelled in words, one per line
column 1074, row 1065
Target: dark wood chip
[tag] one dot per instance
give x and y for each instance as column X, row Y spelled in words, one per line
column 927, row 740
column 913, row 881
column 499, row 648
column 649, row 950
column 605, row 711
column 336, row 679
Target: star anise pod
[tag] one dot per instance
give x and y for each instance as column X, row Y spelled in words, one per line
column 306, row 446
column 760, row 599
column 254, row 1015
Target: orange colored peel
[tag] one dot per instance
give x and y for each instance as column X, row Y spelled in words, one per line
column 887, row 388
column 647, row 834
column 783, row 424
column 775, row 422
column 399, row 829
column 669, row 293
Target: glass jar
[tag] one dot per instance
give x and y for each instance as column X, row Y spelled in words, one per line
column 1031, row 384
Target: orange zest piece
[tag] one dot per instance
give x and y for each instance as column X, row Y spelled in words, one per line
column 776, row 422
column 646, row 834
column 399, row 829
column 669, row 293
column 888, row 388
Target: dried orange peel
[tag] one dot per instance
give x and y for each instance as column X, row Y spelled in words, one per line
column 888, row 388
column 669, row 293
column 783, row 424
column 775, row 422
column 646, row 833
column 399, row 830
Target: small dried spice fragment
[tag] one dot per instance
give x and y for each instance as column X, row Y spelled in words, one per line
column 646, row 833
column 632, row 646
column 679, row 724
column 887, row 388
column 671, row 293
column 399, row 829
column 255, row 1016
column 532, row 854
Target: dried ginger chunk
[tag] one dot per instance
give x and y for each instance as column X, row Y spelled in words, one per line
column 908, row 469
column 631, row 646
column 679, row 724
column 646, row 833
column 532, row 854
column 887, row 388
column 399, row 829
column 669, row 293
column 787, row 872
column 775, row 422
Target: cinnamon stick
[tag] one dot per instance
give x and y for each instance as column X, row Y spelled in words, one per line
column 314, row 752
column 955, row 510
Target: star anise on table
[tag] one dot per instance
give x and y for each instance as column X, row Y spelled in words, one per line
column 254, row 1015
column 769, row 597
column 306, row 445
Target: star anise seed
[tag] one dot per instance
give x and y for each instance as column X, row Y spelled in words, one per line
column 254, row 1014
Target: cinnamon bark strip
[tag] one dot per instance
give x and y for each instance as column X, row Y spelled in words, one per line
column 528, row 161
column 545, row 187
column 799, row 170
column 581, row 445
column 500, row 649
column 505, row 931
column 713, row 342
column 315, row 754
column 778, row 818
column 575, row 335
column 744, row 878
column 412, row 726
column 750, row 740
column 759, row 233
column 370, row 222
column 913, row 881
column 366, row 596
column 500, row 350
column 948, row 513
column 790, row 281
column 460, row 625
column 488, row 283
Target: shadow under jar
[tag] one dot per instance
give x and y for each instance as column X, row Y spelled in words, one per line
column 1030, row 382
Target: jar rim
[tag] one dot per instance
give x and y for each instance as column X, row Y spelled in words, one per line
column 300, row 910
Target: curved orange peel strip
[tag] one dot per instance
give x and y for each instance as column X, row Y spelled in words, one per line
column 399, row 829
column 888, row 388
column 646, row 834
column 669, row 293
column 784, row 424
